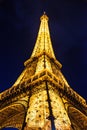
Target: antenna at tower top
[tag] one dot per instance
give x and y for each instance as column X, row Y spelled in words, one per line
column 44, row 12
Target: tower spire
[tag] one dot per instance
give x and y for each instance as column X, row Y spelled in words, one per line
column 44, row 12
column 43, row 42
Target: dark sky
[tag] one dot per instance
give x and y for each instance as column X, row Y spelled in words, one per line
column 19, row 24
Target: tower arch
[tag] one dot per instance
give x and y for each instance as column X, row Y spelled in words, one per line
column 12, row 116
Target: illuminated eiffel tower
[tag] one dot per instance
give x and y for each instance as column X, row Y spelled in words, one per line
column 41, row 98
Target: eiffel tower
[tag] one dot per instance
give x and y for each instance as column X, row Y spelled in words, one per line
column 41, row 98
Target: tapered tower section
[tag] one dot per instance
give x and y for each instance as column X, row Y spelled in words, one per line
column 41, row 98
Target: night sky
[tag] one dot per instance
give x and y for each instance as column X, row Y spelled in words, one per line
column 19, row 24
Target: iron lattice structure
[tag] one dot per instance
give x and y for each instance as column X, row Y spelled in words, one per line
column 41, row 98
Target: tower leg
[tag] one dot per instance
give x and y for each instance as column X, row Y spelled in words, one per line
column 24, row 126
column 51, row 117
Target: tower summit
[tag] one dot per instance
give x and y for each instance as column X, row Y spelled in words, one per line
column 43, row 42
column 41, row 98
